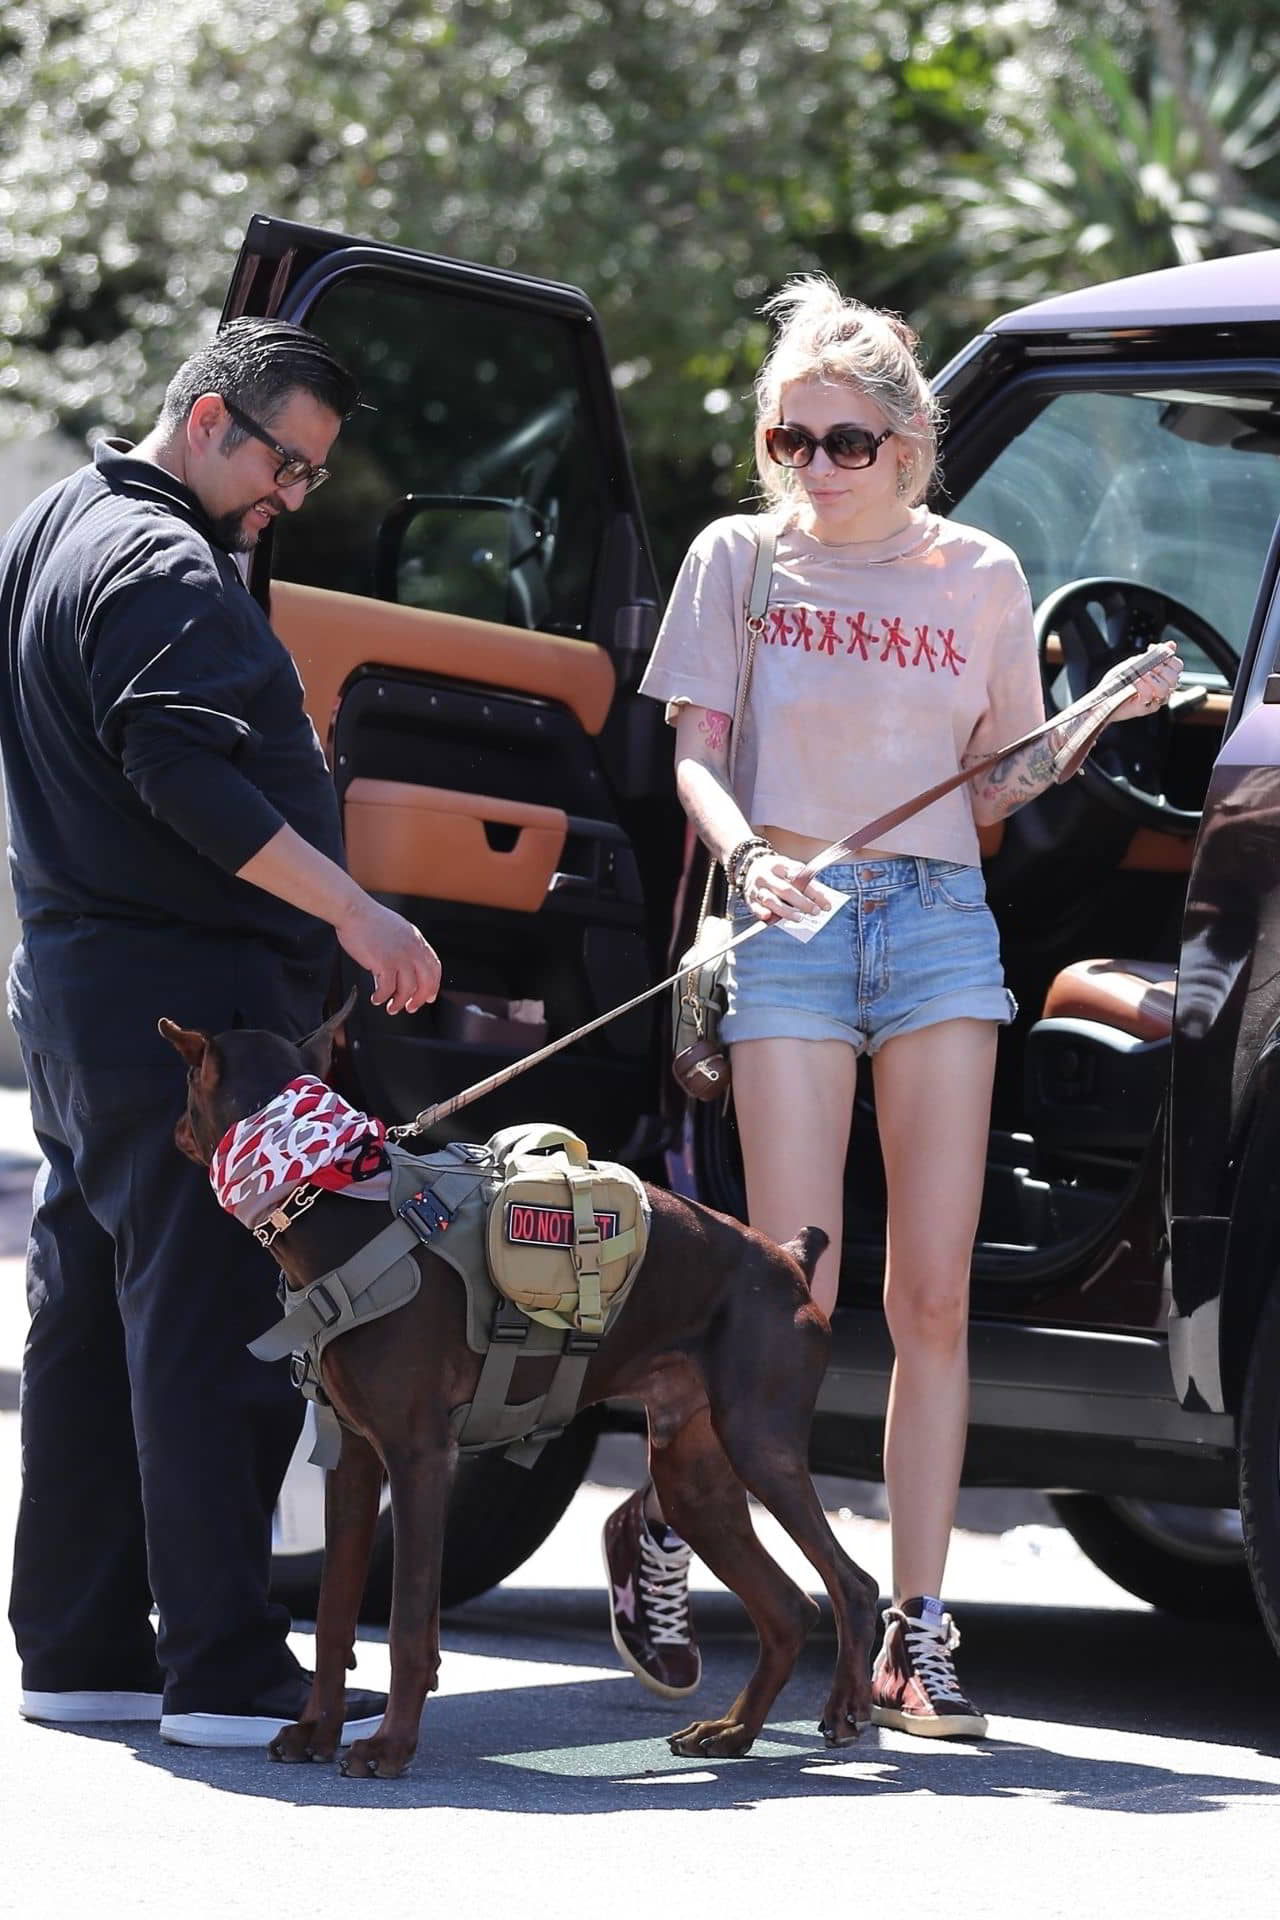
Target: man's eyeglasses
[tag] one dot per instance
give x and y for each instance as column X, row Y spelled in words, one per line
column 843, row 446
column 293, row 468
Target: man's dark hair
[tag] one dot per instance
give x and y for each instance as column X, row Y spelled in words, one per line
column 257, row 364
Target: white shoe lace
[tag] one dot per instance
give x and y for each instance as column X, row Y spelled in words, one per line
column 664, row 1583
column 930, row 1647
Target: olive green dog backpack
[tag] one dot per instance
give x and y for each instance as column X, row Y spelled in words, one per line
column 565, row 1235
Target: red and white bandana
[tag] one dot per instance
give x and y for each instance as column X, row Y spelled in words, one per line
column 307, row 1133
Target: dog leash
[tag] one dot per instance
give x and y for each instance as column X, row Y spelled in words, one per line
column 1066, row 762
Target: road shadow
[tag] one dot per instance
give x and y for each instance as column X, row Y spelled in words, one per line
column 1093, row 1680
column 1122, row 1669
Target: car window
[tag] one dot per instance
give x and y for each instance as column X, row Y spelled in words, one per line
column 1178, row 489
column 468, row 480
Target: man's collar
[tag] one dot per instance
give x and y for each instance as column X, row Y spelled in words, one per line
column 121, row 468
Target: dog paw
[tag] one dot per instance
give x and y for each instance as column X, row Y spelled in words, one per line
column 840, row 1730
column 847, row 1712
column 375, row 1759
column 304, row 1742
column 712, row 1740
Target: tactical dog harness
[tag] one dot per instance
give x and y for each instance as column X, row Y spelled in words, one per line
column 546, row 1243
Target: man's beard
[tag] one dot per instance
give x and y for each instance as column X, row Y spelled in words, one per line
column 228, row 531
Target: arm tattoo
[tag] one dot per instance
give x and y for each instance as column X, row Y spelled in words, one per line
column 715, row 727
column 1020, row 777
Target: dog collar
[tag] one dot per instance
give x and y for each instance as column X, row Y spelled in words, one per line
column 306, row 1136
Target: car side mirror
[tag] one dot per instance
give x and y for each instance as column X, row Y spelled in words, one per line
column 475, row 554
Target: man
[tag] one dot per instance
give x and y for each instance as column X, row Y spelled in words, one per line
column 175, row 849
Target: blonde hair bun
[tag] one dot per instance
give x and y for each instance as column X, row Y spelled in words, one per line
column 822, row 335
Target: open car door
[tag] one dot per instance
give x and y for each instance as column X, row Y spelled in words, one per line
column 470, row 602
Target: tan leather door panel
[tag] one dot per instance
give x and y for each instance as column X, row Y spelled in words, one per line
column 431, row 843
column 330, row 635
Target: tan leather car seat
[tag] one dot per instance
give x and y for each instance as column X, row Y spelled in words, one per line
column 1097, row 1060
column 1135, row 996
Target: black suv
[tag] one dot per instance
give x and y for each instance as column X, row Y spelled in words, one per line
column 470, row 604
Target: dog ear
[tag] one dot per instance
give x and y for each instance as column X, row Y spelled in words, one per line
column 189, row 1041
column 317, row 1048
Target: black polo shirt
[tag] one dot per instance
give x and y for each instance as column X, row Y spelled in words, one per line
column 153, row 739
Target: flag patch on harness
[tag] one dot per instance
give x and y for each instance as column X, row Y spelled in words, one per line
column 529, row 1226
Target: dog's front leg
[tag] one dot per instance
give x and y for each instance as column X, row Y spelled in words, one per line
column 419, row 1475
column 351, row 1495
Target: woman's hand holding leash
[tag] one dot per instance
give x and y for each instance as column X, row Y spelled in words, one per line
column 1152, row 691
column 1046, row 762
column 769, row 889
column 767, row 880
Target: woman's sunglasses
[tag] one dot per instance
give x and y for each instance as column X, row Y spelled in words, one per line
column 843, row 446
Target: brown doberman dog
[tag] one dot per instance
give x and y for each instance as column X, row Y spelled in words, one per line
column 718, row 1338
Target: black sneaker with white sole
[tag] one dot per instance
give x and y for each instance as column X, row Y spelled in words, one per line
column 258, row 1721
column 85, row 1706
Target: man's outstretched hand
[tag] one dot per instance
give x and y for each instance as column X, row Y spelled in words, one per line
column 405, row 969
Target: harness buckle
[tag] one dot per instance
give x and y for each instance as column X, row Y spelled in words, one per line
column 581, row 1345
column 425, row 1214
column 510, row 1327
column 323, row 1300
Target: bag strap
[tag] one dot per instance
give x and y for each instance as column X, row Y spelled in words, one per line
column 766, row 539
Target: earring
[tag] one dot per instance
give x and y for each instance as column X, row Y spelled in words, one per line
column 904, row 482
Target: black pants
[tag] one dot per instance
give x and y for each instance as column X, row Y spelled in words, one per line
column 153, row 1445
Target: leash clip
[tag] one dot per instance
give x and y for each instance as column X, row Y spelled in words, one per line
column 268, row 1231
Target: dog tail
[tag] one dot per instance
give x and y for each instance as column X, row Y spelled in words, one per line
column 806, row 1250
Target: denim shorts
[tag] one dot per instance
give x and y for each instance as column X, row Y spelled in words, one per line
column 915, row 944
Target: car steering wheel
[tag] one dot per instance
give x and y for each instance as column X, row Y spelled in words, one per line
column 1099, row 623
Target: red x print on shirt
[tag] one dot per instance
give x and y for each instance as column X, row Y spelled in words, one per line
column 950, row 657
column 860, row 634
column 895, row 641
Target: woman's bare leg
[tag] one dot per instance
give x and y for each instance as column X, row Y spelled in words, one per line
column 933, row 1105
column 794, row 1102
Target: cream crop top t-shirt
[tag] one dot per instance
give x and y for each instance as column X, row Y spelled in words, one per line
column 882, row 665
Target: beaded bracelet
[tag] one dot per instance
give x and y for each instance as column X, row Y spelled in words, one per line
column 740, row 859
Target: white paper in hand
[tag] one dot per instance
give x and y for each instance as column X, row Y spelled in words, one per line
column 804, row 930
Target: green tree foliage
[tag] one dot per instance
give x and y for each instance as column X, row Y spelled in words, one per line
column 1125, row 166
column 676, row 158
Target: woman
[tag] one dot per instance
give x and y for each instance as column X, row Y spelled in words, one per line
column 898, row 648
